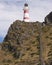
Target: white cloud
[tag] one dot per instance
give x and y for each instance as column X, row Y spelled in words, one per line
column 39, row 9
column 8, row 14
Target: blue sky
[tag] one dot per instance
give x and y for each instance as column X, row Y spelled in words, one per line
column 11, row 10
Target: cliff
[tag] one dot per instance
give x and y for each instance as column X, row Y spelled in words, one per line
column 27, row 43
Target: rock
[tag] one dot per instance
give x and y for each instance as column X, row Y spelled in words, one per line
column 0, row 46
column 48, row 18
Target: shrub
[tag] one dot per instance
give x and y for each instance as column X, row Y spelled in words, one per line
column 16, row 54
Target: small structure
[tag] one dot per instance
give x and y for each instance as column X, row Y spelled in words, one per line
column 26, row 13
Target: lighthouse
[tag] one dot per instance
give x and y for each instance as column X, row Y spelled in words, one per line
column 26, row 13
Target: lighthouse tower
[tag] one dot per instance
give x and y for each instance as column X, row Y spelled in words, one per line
column 26, row 13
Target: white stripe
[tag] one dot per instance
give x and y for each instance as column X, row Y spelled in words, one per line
column 26, row 20
column 26, row 15
column 25, row 8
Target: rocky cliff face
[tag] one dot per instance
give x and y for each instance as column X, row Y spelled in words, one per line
column 27, row 43
column 22, row 41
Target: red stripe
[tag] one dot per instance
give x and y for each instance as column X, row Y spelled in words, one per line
column 26, row 11
column 26, row 18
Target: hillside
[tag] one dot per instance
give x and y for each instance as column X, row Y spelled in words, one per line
column 27, row 43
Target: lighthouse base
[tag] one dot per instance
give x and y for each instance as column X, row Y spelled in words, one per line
column 26, row 20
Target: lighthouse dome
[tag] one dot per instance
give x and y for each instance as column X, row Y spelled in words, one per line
column 25, row 4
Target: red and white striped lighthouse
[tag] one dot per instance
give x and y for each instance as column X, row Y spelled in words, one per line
column 26, row 13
